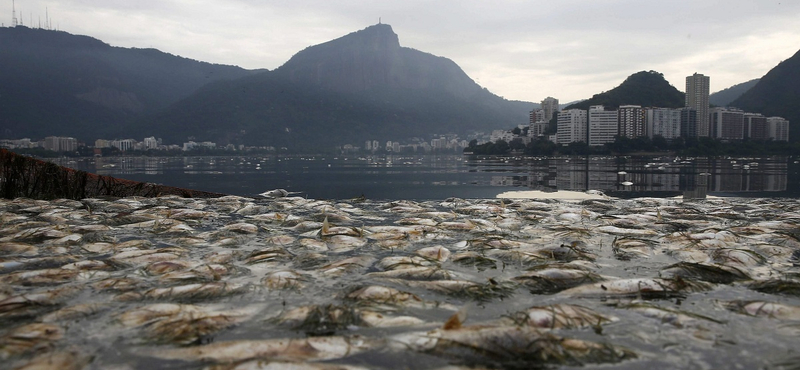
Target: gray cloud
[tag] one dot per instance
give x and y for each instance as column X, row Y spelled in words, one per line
column 522, row 50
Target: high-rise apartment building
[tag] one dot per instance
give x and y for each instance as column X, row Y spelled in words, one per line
column 755, row 126
column 778, row 128
column 603, row 125
column 571, row 126
column 631, row 121
column 550, row 106
column 664, row 122
column 536, row 115
column 727, row 124
column 697, row 91
column 688, row 122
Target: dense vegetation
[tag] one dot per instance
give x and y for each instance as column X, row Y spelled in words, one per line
column 724, row 97
column 645, row 88
column 681, row 146
column 777, row 94
column 55, row 83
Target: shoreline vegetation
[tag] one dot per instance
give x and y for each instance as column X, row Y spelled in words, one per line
column 639, row 146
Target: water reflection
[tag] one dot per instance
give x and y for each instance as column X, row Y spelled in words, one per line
column 692, row 177
column 439, row 177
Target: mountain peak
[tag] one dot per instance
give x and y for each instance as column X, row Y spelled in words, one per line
column 379, row 35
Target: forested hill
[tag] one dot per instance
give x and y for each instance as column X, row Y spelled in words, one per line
column 56, row 83
column 645, row 88
column 777, row 94
column 724, row 97
column 362, row 86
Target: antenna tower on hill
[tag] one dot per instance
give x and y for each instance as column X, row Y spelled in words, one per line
column 13, row 14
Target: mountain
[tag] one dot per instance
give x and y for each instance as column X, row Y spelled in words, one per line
column 56, row 83
column 648, row 89
column 362, row 86
column 777, row 94
column 724, row 97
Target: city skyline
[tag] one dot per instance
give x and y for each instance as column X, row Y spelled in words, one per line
column 521, row 51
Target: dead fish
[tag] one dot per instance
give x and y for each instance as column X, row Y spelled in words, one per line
column 638, row 288
column 29, row 338
column 404, row 262
column 75, row 312
column 61, row 360
column 674, row 317
column 181, row 324
column 638, row 233
column 765, row 309
column 283, row 365
column 718, row 274
column 346, row 265
column 560, row 316
column 285, row 279
column 40, row 277
column 552, row 280
column 777, row 286
column 479, row 261
column 480, row 292
column 290, row 349
column 508, row 346
column 189, row 292
column 380, row 295
column 241, row 228
column 10, row 249
column 418, row 273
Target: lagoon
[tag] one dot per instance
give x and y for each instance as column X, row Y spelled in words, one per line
column 426, row 177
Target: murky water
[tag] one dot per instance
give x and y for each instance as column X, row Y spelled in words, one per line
column 439, row 177
column 253, row 283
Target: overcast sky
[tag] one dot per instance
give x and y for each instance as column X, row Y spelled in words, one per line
column 521, row 50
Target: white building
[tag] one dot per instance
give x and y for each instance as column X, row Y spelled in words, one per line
column 778, row 128
column 571, row 126
column 123, row 145
column 602, row 125
column 150, row 143
column 60, row 144
column 501, row 135
column 664, row 122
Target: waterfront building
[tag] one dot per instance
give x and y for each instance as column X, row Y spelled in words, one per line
column 664, row 122
column 688, row 122
column 778, row 128
column 603, row 127
column 697, row 91
column 123, row 145
column 755, row 126
column 631, row 121
column 150, row 143
column 60, row 144
column 727, row 124
column 572, row 126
